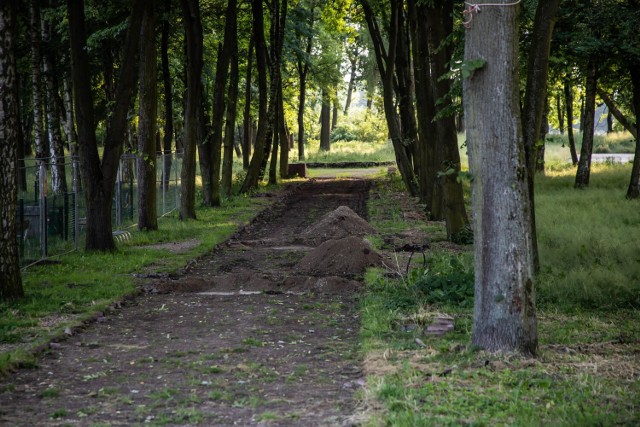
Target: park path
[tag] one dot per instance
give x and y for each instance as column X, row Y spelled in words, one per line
column 222, row 344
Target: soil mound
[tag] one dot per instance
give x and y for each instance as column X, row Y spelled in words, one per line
column 337, row 224
column 342, row 257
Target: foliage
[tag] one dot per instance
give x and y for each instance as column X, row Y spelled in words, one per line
column 361, row 125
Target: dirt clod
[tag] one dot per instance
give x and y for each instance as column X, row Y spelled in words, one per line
column 343, row 257
column 337, row 224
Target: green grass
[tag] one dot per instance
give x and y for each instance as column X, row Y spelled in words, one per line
column 67, row 293
column 586, row 372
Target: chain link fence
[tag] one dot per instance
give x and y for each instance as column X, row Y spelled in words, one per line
column 51, row 211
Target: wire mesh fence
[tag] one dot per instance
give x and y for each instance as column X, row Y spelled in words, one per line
column 51, row 211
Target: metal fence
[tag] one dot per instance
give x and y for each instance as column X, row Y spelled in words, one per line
column 51, row 211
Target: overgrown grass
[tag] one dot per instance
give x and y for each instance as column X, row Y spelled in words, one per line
column 82, row 284
column 587, row 369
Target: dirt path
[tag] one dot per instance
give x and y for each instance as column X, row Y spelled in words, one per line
column 232, row 341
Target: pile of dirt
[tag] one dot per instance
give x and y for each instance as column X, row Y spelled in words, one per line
column 342, row 257
column 337, row 224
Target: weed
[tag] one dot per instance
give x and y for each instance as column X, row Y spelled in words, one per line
column 50, row 392
column 59, row 413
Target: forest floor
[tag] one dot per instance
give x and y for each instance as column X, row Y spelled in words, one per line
column 245, row 335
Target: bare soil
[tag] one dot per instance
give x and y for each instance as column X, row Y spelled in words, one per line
column 243, row 336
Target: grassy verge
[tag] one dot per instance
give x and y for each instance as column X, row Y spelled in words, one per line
column 587, row 372
column 84, row 284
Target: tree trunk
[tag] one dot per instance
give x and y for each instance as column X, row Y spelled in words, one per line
column 568, row 99
column 303, row 71
column 273, row 166
column 352, row 83
column 534, row 101
column 229, row 133
column 70, row 132
column 544, row 130
column 325, row 122
column 253, row 173
column 21, row 138
column 284, row 137
column 334, row 115
column 619, row 115
column 385, row 62
column 247, row 121
column 425, row 103
column 584, row 164
column 36, row 84
column 99, row 176
column 633, row 192
column 193, row 102
column 10, row 279
column 168, row 98
column 448, row 196
column 560, row 112
column 56, row 146
column 504, row 316
column 147, row 193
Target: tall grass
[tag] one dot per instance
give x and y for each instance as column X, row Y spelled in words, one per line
column 589, row 240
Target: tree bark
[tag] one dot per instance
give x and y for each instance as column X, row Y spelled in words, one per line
column 10, row 278
column 36, row 84
column 448, row 196
column 247, row 121
column 147, row 192
column 325, row 122
column 584, row 164
column 504, row 316
column 284, row 137
column 633, row 192
column 229, row 133
column 534, row 101
column 56, row 146
column 193, row 102
column 168, row 98
column 560, row 112
column 352, row 82
column 71, row 134
column 334, row 114
column 568, row 99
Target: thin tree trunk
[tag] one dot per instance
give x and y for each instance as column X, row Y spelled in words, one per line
column 70, row 132
column 584, row 164
column 303, row 71
column 193, row 102
column 633, row 192
column 504, row 317
column 36, row 84
column 229, row 133
column 147, row 193
column 560, row 112
column 56, row 146
column 168, row 98
column 284, row 137
column 247, row 140
column 325, row 122
column 568, row 99
column 352, row 83
column 21, row 138
column 619, row 115
column 334, row 115
column 10, row 278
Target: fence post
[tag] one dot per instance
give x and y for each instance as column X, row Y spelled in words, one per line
column 42, row 204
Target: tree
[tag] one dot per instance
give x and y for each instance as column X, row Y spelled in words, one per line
column 504, row 309
column 584, row 164
column 232, row 102
column 36, row 83
column 147, row 211
column 193, row 42
column 168, row 96
column 99, row 175
column 10, row 279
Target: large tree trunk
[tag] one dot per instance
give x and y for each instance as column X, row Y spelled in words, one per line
column 52, row 104
column 147, row 210
column 10, row 279
column 193, row 37
column 325, row 122
column 247, row 137
column 534, row 101
column 568, row 99
column 448, row 196
column 168, row 99
column 229, row 133
column 584, row 164
column 99, row 176
column 504, row 317
column 633, row 192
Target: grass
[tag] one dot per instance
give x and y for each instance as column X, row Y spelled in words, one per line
column 589, row 327
column 66, row 294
